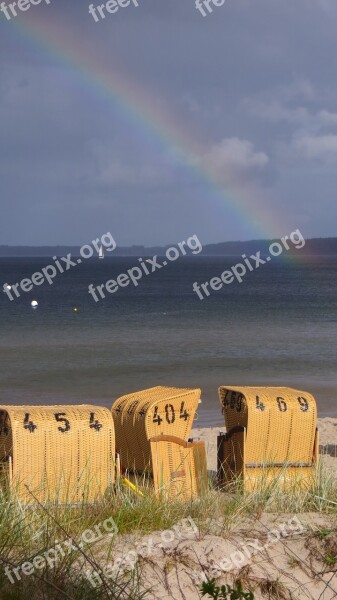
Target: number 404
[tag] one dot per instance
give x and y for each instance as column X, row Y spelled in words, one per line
column 170, row 414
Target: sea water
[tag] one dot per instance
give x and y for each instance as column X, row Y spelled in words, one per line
column 278, row 327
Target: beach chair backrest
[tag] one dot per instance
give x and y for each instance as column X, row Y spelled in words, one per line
column 148, row 413
column 268, row 426
column 63, row 453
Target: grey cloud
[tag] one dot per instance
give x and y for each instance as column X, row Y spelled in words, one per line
column 319, row 147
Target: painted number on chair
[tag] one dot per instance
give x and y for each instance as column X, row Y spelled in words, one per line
column 143, row 410
column 304, row 404
column 132, row 407
column 183, row 412
column 224, row 402
column 282, row 406
column 260, row 405
column 156, row 417
column 170, row 414
column 60, row 418
column 94, row 423
column 239, row 402
column 233, row 400
column 119, row 408
column 29, row 425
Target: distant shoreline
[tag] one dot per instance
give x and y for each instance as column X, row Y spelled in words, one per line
column 313, row 247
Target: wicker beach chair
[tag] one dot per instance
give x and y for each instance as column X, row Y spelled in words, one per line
column 179, row 468
column 62, row 453
column 271, row 436
column 149, row 413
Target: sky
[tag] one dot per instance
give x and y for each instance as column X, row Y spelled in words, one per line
column 157, row 123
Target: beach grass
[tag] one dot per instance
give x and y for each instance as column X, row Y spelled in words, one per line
column 30, row 531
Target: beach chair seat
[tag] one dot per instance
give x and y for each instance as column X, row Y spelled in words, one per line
column 271, row 436
column 61, row 453
column 179, row 468
column 155, row 411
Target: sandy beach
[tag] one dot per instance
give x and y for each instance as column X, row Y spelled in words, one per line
column 291, row 568
column 280, row 555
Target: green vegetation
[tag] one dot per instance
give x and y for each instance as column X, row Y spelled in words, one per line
column 330, row 560
column 30, row 531
column 226, row 592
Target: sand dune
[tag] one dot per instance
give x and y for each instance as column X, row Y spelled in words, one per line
column 280, row 556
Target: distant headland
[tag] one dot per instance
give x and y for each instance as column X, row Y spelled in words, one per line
column 313, row 247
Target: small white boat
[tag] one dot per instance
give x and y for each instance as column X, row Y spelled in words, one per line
column 101, row 252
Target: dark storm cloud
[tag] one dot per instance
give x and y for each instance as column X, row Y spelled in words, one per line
column 254, row 81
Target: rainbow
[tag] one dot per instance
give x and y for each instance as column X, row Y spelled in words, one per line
column 148, row 115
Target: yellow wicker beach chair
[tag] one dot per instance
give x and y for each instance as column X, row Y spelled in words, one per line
column 271, row 436
column 143, row 415
column 62, row 453
column 179, row 468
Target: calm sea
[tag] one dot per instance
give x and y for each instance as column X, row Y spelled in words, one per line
column 279, row 327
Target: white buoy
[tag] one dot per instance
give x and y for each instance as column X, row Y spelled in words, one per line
column 34, row 304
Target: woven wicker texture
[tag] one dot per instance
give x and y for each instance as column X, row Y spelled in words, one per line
column 179, row 467
column 148, row 413
column 279, row 429
column 63, row 453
